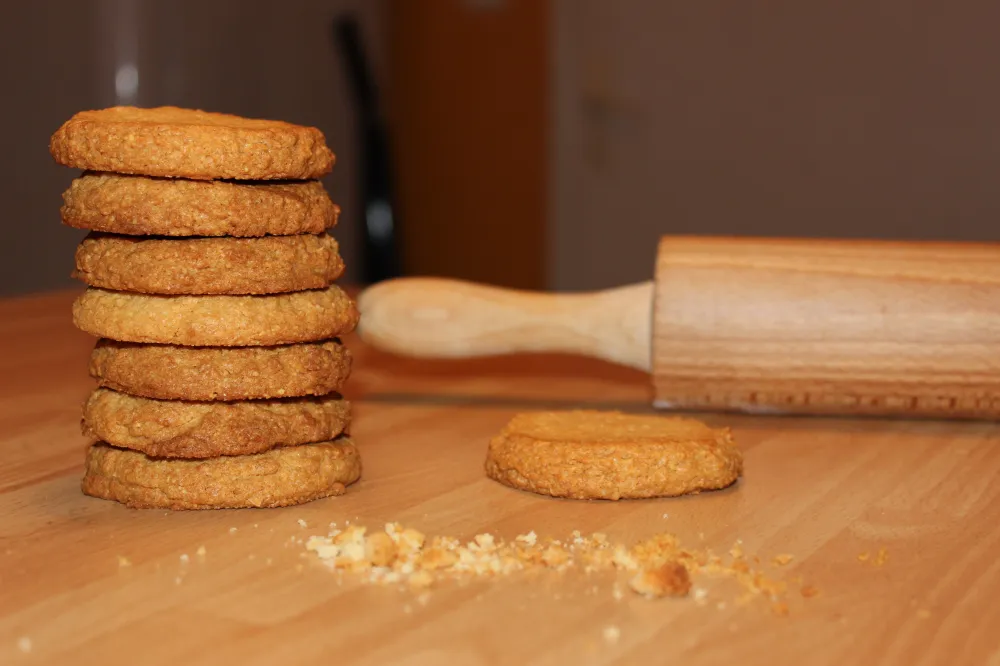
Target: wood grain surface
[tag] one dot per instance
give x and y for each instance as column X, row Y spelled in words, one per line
column 824, row 490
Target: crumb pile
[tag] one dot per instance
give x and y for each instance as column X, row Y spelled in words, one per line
column 210, row 285
column 656, row 567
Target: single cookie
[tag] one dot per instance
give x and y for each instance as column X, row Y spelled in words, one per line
column 163, row 207
column 280, row 477
column 609, row 455
column 187, row 143
column 183, row 429
column 170, row 372
column 225, row 321
column 270, row 265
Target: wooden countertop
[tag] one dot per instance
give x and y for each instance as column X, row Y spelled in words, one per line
column 823, row 490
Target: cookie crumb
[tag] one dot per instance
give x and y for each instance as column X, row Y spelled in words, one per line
column 783, row 559
column 863, row 557
column 232, row 530
column 302, row 523
column 669, row 579
column 124, row 562
column 612, row 633
column 24, row 644
column 201, row 551
column 184, row 558
column 881, row 557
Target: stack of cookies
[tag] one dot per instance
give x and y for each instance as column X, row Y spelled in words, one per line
column 210, row 285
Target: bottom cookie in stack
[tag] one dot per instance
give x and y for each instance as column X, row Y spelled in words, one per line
column 282, row 476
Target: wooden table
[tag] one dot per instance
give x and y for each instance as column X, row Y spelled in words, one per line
column 824, row 490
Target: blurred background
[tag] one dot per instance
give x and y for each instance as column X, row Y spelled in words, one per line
column 541, row 144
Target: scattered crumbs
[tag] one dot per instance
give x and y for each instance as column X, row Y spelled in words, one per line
column 923, row 613
column 302, row 523
column 881, row 557
column 184, row 558
column 124, row 562
column 783, row 559
column 653, row 568
column 665, row 516
column 612, row 633
column 201, row 551
column 809, row 591
column 863, row 557
column 232, row 530
column 255, row 525
column 737, row 550
column 24, row 644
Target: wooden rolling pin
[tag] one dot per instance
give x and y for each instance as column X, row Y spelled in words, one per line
column 743, row 324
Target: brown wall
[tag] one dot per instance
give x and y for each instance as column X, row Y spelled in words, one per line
column 852, row 118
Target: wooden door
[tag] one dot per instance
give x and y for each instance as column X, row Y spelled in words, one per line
column 468, row 112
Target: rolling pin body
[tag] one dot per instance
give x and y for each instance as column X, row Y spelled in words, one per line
column 767, row 325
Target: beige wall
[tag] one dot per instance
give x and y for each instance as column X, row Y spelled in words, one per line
column 804, row 118
column 251, row 57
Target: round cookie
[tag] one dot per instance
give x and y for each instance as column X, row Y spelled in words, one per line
column 225, row 321
column 609, row 455
column 269, row 265
column 280, row 477
column 170, row 372
column 187, row 143
column 185, row 429
column 135, row 205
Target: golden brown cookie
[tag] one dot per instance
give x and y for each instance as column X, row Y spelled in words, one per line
column 187, row 143
column 269, row 265
column 164, row 207
column 609, row 455
column 171, row 372
column 280, row 477
column 183, row 429
column 225, row 321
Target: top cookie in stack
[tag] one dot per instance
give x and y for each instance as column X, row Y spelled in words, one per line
column 210, row 285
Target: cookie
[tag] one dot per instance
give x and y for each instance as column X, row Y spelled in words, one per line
column 269, row 265
column 187, row 143
column 186, row 429
column 280, row 477
column 171, row 372
column 225, row 321
column 609, row 455
column 163, row 207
